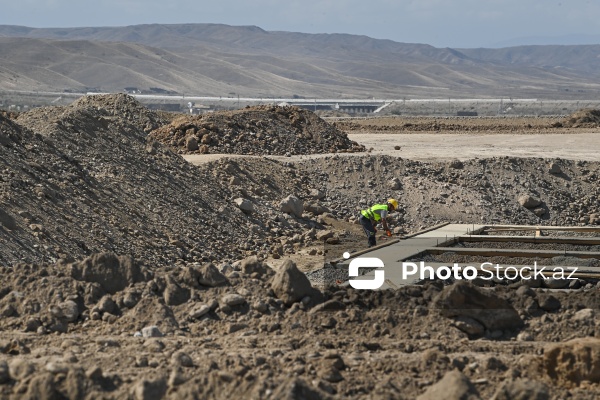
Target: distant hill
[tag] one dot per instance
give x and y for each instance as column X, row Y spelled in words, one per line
column 220, row 60
column 565, row 40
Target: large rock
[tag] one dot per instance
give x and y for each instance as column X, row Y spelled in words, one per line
column 70, row 310
column 317, row 194
column 191, row 143
column 575, row 361
column 291, row 285
column 292, row 205
column 453, row 386
column 316, row 209
column 114, row 273
column 174, row 293
column 555, row 168
column 245, row 205
column 463, row 299
column 252, row 265
column 209, row 275
column 395, row 184
column 529, row 201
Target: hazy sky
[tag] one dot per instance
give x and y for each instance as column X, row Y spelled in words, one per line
column 441, row 23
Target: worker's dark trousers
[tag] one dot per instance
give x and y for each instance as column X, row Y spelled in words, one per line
column 369, row 230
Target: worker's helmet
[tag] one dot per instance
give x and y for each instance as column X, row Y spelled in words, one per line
column 394, row 203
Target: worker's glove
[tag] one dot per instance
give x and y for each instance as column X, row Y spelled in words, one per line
column 389, row 233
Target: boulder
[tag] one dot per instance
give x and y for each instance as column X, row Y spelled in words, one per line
column 395, row 184
column 317, row 194
column 555, row 169
column 245, row 205
column 529, row 201
column 292, row 205
column 114, row 273
column 316, row 208
column 252, row 264
column 548, row 302
column 456, row 164
column 464, row 299
column 151, row 331
column 191, row 143
column 324, row 235
column 232, row 300
column 469, row 326
column 291, row 285
column 70, row 310
column 553, row 283
column 174, row 293
column 209, row 275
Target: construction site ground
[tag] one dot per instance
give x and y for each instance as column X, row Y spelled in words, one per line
column 132, row 266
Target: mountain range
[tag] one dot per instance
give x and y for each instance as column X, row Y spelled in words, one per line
column 223, row 60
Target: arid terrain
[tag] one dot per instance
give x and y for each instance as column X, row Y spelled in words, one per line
column 150, row 255
column 247, row 61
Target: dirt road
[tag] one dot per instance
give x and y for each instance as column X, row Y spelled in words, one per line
column 427, row 146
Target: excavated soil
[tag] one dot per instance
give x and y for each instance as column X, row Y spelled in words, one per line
column 127, row 272
column 263, row 130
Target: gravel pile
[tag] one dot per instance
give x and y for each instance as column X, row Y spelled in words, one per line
column 258, row 130
column 330, row 275
column 86, row 178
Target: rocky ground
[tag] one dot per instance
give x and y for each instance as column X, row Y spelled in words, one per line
column 127, row 272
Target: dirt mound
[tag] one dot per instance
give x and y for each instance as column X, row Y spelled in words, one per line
column 89, row 181
column 586, row 118
column 487, row 125
column 100, row 111
column 258, row 130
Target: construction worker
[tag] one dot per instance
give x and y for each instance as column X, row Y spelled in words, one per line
column 377, row 213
